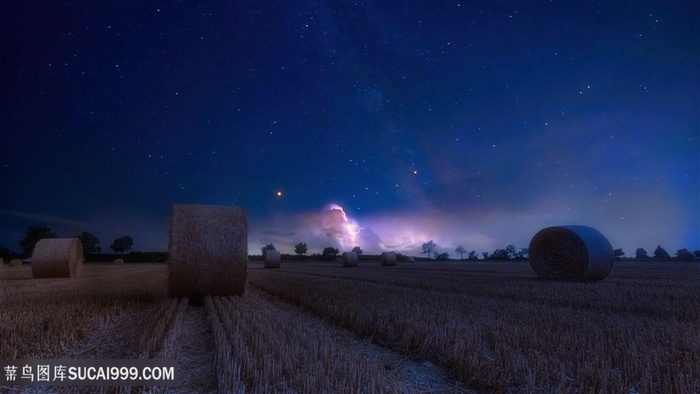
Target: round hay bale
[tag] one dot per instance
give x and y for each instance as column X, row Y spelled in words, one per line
column 388, row 259
column 349, row 259
column 57, row 258
column 410, row 259
column 15, row 262
column 577, row 253
column 684, row 255
column 338, row 260
column 272, row 258
column 208, row 250
column 118, row 261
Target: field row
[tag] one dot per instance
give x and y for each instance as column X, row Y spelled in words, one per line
column 58, row 317
column 267, row 346
column 505, row 344
column 255, row 343
column 673, row 296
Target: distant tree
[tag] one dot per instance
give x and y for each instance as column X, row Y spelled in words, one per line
column 641, row 254
column 684, row 255
column 442, row 256
column 32, row 236
column 501, row 254
column 661, row 253
column 472, row 255
column 122, row 245
column 267, row 247
column 461, row 251
column 697, row 254
column 300, row 248
column 510, row 250
column 329, row 252
column 91, row 244
column 486, row 255
column 618, row 253
column 428, row 247
column 524, row 253
column 357, row 250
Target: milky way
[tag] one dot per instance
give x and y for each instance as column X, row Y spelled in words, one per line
column 467, row 123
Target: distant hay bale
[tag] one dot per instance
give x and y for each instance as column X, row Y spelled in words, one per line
column 57, row 258
column 388, row 258
column 208, row 250
column 349, row 259
column 577, row 253
column 15, row 262
column 118, row 261
column 272, row 258
column 684, row 255
column 338, row 260
column 410, row 259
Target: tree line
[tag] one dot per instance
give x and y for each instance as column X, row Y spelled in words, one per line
column 659, row 254
column 91, row 243
column 510, row 252
column 124, row 244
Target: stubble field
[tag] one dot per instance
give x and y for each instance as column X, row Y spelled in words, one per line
column 416, row 327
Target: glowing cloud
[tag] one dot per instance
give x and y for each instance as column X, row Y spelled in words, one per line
column 475, row 228
column 333, row 222
column 332, row 226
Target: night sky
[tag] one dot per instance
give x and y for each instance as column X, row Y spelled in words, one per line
column 473, row 123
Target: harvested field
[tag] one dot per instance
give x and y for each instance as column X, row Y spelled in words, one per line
column 499, row 328
column 418, row 327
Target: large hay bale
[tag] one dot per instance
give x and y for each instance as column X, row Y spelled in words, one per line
column 118, row 261
column 577, row 253
column 57, row 258
column 684, row 255
column 388, row 258
column 208, row 250
column 272, row 258
column 15, row 262
column 349, row 259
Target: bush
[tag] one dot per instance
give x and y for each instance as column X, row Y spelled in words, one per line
column 330, row 253
column 443, row 256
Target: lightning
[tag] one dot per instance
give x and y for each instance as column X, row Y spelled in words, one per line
column 337, row 222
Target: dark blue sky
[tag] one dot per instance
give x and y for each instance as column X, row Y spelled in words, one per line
column 466, row 122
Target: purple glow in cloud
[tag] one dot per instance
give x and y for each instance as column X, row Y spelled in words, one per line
column 335, row 225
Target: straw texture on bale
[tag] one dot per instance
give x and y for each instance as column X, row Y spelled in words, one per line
column 388, row 258
column 577, row 253
column 118, row 261
column 15, row 262
column 208, row 250
column 349, row 259
column 57, row 258
column 272, row 258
